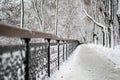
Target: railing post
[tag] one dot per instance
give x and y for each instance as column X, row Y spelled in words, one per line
column 66, row 50
column 73, row 46
column 48, row 55
column 69, row 48
column 58, row 54
column 27, row 40
column 72, row 43
column 63, row 50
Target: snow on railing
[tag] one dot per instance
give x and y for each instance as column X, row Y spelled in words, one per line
column 32, row 60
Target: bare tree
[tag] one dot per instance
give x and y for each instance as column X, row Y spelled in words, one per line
column 99, row 25
column 38, row 14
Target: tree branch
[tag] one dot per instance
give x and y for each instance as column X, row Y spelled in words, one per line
column 97, row 23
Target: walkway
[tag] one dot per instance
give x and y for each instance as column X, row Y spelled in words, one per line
column 87, row 64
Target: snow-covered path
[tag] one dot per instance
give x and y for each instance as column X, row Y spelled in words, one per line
column 87, row 64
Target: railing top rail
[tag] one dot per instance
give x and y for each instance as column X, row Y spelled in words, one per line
column 11, row 31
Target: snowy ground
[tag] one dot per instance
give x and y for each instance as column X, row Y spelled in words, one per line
column 112, row 54
column 90, row 62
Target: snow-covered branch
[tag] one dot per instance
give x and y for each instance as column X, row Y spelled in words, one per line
column 97, row 23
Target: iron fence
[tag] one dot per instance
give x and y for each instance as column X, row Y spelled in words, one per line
column 31, row 60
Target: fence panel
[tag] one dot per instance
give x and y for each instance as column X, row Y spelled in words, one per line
column 32, row 60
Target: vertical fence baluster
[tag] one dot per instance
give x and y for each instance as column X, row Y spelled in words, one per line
column 72, row 43
column 69, row 49
column 48, row 55
column 63, row 51
column 58, row 54
column 27, row 58
column 66, row 50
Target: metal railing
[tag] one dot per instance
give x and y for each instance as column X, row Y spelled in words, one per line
column 32, row 60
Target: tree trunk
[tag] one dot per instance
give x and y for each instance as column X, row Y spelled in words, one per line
column 42, row 14
column 22, row 14
column 118, row 17
column 103, row 38
column 56, row 18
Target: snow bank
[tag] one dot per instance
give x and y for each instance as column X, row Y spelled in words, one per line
column 111, row 54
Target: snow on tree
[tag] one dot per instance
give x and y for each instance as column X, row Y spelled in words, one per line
column 66, row 18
